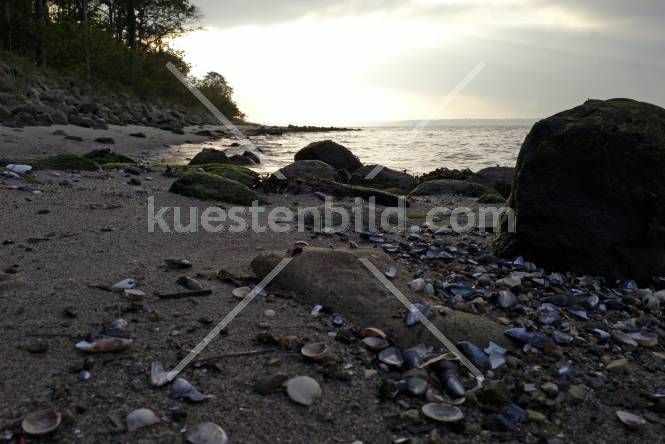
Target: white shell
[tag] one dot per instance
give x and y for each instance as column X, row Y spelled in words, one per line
column 315, row 351
column 158, row 377
column 20, row 169
column 125, row 284
column 141, row 418
column 104, row 345
column 303, row 390
column 442, row 412
column 41, row 422
column 630, row 420
column 207, row 433
column 241, row 292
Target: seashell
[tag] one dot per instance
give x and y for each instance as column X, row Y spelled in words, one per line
column 391, row 273
column 118, row 328
column 412, row 359
column 269, row 384
column 391, row 356
column 125, row 284
column 412, row 318
column 158, row 377
column 417, row 285
column 373, row 333
column 534, row 338
column 303, row 390
column 496, row 360
column 241, row 292
column 207, row 433
column 495, row 348
column 134, row 295
column 189, row 283
column 183, row 389
column 416, row 385
column 623, row 338
column 478, row 357
column 41, row 422
column 104, row 345
column 562, row 338
column 375, row 343
column 442, row 412
column 433, row 395
column 178, row 264
column 630, row 420
column 645, row 340
column 453, row 384
column 141, row 418
column 315, row 351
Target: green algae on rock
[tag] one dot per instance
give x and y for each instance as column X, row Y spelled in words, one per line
column 65, row 162
column 210, row 187
column 106, row 156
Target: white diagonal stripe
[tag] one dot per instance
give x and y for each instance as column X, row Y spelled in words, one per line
column 228, row 318
column 426, row 322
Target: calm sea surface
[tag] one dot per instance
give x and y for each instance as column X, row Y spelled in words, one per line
column 398, row 148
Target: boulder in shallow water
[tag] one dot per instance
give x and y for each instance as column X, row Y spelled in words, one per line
column 309, row 168
column 450, row 188
column 209, row 155
column 589, row 191
column 334, row 154
column 387, row 179
column 337, row 279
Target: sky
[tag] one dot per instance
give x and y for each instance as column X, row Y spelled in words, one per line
column 332, row 62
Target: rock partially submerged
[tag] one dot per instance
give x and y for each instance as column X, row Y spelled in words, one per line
column 589, row 189
column 500, row 179
column 337, row 279
column 209, row 187
column 334, row 154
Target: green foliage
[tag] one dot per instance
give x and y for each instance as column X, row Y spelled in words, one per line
column 205, row 186
column 65, row 162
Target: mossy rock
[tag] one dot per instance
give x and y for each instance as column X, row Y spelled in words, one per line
column 208, row 156
column 589, row 189
column 334, row 154
column 115, row 166
column 106, row 156
column 491, row 199
column 240, row 174
column 445, row 174
column 210, row 187
column 386, row 179
column 308, row 168
column 450, row 188
column 65, row 162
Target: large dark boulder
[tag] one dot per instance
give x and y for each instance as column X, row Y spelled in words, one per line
column 331, row 153
column 499, row 179
column 209, row 155
column 387, row 179
column 589, row 191
column 308, row 168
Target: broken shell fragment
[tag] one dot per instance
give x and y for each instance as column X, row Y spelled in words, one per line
column 375, row 343
column 178, row 264
column 371, row 332
column 125, row 284
column 141, row 418
column 158, row 377
column 391, row 356
column 315, row 351
column 41, row 422
column 630, row 420
column 183, row 389
column 645, row 340
column 442, row 412
column 303, row 390
column 104, row 345
column 189, row 283
column 207, row 433
column 241, row 292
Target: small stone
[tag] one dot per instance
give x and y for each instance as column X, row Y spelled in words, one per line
column 550, row 389
column 536, row 416
column 507, row 299
column 577, row 392
column 269, row 313
column 410, row 415
column 417, row 285
column 618, row 366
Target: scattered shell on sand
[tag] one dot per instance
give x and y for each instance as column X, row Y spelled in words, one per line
column 315, row 351
column 645, row 340
column 303, row 390
column 630, row 420
column 41, row 422
column 104, row 345
column 141, row 418
column 442, row 412
column 207, row 433
column 125, row 284
column 375, row 343
column 435, row 396
column 623, row 338
column 372, row 332
column 134, row 295
column 241, row 292
column 178, row 264
column 189, row 283
column 391, row 356
column 183, row 389
column 158, row 377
